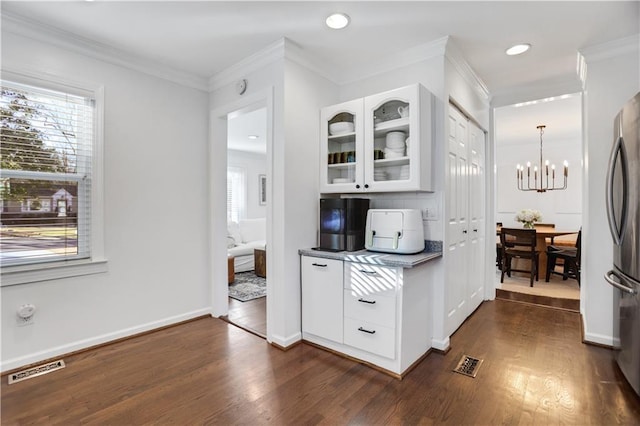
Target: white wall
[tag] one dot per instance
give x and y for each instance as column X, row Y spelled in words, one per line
column 254, row 165
column 517, row 141
column 612, row 78
column 155, row 150
column 564, row 208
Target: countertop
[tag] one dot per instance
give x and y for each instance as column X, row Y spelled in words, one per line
column 375, row 258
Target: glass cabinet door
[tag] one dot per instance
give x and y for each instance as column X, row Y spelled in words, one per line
column 381, row 143
column 391, row 122
column 341, row 143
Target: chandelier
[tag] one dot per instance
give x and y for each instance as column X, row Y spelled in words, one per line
column 544, row 185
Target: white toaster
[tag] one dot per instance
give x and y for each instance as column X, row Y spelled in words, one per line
column 394, row 231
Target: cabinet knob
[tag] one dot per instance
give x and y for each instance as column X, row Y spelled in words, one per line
column 475, row 230
column 464, row 231
column 358, row 186
column 366, row 185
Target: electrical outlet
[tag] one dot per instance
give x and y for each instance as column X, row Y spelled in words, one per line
column 429, row 213
column 21, row 322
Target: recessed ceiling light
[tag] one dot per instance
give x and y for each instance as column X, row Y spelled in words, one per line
column 337, row 21
column 253, row 136
column 518, row 49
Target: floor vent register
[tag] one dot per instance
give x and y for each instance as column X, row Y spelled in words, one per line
column 468, row 366
column 36, row 371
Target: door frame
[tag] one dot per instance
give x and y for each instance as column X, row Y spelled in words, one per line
column 218, row 121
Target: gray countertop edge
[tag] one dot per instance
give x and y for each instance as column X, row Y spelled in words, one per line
column 375, row 258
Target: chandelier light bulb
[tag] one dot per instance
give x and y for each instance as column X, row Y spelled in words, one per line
column 544, row 185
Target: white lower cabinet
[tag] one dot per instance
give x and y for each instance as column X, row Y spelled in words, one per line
column 385, row 312
column 370, row 337
column 322, row 298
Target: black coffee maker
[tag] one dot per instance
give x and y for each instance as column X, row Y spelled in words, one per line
column 342, row 223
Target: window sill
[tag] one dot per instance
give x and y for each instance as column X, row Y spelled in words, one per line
column 14, row 275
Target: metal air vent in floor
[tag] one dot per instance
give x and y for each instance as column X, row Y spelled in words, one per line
column 468, row 366
column 36, row 371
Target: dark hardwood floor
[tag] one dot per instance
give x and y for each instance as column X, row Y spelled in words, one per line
column 535, row 371
column 250, row 315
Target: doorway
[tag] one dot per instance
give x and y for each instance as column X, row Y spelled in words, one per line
column 518, row 141
column 219, row 117
column 246, row 219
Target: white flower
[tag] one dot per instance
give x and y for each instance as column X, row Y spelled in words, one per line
column 528, row 216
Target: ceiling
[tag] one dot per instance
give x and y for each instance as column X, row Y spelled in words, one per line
column 203, row 38
column 517, row 124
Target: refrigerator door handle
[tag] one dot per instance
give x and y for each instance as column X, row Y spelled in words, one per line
column 616, row 152
column 609, row 278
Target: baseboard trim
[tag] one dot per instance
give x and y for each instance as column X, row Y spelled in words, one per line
column 441, row 346
column 284, row 343
column 598, row 340
column 283, row 348
column 18, row 363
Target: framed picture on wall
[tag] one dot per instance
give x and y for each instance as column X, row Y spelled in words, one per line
column 262, row 189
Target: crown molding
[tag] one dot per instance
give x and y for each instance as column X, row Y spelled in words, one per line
column 564, row 85
column 393, row 61
column 454, row 55
column 286, row 49
column 611, row 49
column 25, row 27
column 252, row 63
column 281, row 49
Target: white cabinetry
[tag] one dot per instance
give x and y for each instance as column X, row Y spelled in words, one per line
column 370, row 299
column 387, row 315
column 365, row 160
column 322, row 297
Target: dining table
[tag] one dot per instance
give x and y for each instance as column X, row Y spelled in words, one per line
column 542, row 233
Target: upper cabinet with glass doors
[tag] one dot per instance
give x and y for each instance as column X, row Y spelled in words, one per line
column 381, row 144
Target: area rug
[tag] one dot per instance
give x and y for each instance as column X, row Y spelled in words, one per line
column 248, row 286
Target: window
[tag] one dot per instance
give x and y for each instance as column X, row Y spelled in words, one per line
column 47, row 144
column 236, row 196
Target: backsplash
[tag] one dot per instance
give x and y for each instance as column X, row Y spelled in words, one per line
column 411, row 200
column 431, row 245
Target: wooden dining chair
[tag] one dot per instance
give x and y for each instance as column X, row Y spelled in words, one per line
column 518, row 243
column 571, row 258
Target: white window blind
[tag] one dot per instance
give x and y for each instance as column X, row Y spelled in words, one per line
column 45, row 178
column 236, row 193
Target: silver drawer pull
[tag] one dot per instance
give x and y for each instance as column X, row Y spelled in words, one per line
column 364, row 330
column 371, row 302
column 319, row 265
column 364, row 271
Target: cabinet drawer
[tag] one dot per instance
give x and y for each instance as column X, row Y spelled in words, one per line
column 372, row 308
column 369, row 279
column 370, row 337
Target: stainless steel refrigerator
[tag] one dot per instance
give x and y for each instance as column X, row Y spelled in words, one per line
column 623, row 211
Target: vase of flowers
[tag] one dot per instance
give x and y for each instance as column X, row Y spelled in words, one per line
column 528, row 217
